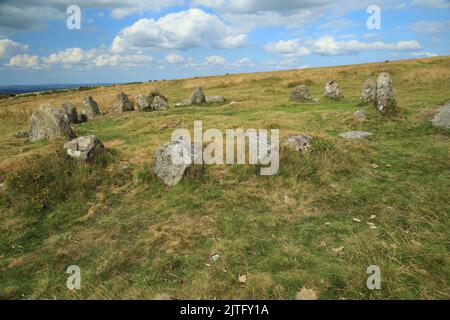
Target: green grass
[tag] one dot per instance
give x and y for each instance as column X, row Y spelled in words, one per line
column 134, row 237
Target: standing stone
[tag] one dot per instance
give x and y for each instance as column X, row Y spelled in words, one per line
column 300, row 93
column 70, row 111
column 48, row 123
column 122, row 104
column 85, row 148
column 172, row 159
column 385, row 100
column 143, row 103
column 90, row 109
column 198, row 96
column 332, row 90
column 442, row 118
column 159, row 103
column 368, row 91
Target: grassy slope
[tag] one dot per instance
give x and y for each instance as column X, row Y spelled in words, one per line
column 135, row 238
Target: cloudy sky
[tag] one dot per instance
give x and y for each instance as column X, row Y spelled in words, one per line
column 137, row 40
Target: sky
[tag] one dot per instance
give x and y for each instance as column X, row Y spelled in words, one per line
column 118, row 41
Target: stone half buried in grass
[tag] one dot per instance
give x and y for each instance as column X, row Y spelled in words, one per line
column 442, row 118
column 300, row 143
column 355, row 134
column 172, row 159
column 85, row 148
column 215, row 99
column 301, row 94
column 48, row 123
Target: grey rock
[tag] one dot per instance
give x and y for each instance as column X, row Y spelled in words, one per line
column 301, row 143
column 143, row 103
column 215, row 99
column 22, row 134
column 332, row 90
column 90, row 108
column 184, row 103
column 355, row 134
column 442, row 118
column 172, row 159
column 48, row 123
column 82, row 118
column 359, row 115
column 368, row 91
column 300, row 94
column 85, row 148
column 159, row 103
column 70, row 111
column 122, row 103
column 385, row 99
column 198, row 96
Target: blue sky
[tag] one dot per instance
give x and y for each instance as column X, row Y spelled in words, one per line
column 136, row 40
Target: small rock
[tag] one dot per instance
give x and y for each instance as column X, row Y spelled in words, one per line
column 184, row 103
column 373, row 216
column 243, row 278
column 356, row 219
column 337, row 250
column 215, row 257
column 373, row 227
column 85, row 148
column 327, row 223
column 286, row 199
column 374, row 165
column 301, row 143
column 442, row 118
column 355, row 134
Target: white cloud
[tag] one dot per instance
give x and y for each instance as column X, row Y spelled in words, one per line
column 128, row 61
column 287, row 48
column 215, row 60
column 71, row 56
column 328, row 46
column 424, row 54
column 174, row 58
column 25, row 61
column 9, row 48
column 181, row 30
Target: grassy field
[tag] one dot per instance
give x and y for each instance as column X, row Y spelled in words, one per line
column 135, row 238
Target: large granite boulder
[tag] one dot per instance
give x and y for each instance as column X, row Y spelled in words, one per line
column 122, row 103
column 442, row 118
column 301, row 94
column 89, row 109
column 85, row 148
column 172, row 159
column 385, row 99
column 368, row 91
column 48, row 123
column 143, row 103
column 332, row 90
column 198, row 96
column 70, row 111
